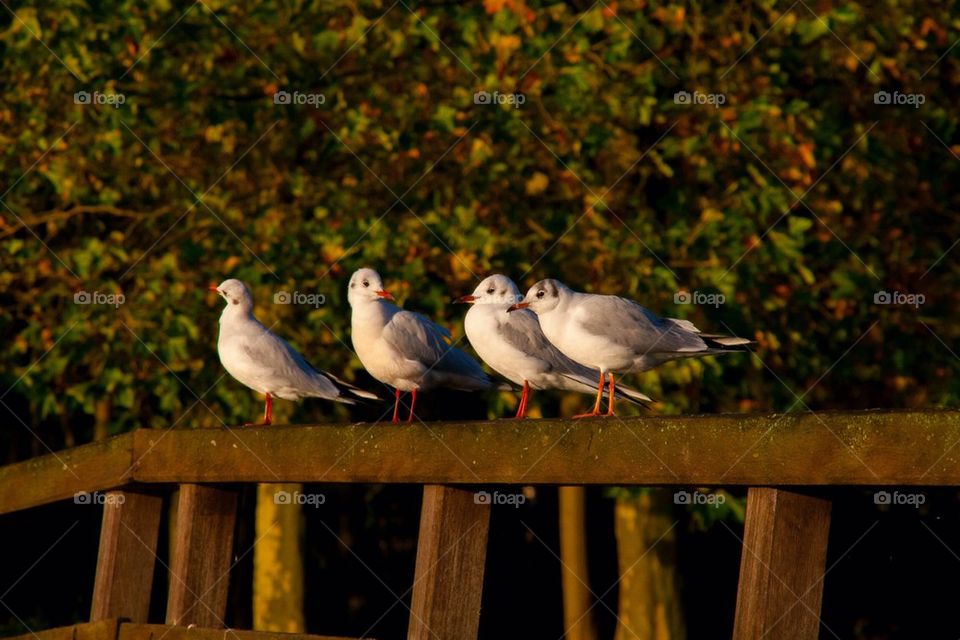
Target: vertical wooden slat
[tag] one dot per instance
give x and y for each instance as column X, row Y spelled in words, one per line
column 278, row 560
column 451, row 552
column 128, row 551
column 782, row 566
column 577, row 612
column 202, row 551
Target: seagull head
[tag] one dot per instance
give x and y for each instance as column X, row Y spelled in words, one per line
column 236, row 293
column 495, row 289
column 543, row 297
column 365, row 286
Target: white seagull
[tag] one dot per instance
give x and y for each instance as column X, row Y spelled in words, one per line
column 613, row 334
column 514, row 346
column 406, row 350
column 265, row 362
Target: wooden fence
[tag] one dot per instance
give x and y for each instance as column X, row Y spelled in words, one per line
column 779, row 457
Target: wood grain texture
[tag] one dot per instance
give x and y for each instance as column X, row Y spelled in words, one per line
column 201, row 556
column 100, row 630
column 867, row 448
column 127, row 556
column 115, row 630
column 841, row 448
column 158, row 631
column 91, row 467
column 782, row 566
column 451, row 554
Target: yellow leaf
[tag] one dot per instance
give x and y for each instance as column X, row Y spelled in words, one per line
column 480, row 151
column 213, row 133
column 711, row 215
column 537, row 184
column 505, row 45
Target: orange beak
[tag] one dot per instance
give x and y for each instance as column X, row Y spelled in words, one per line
column 519, row 305
column 213, row 287
column 465, row 300
column 384, row 294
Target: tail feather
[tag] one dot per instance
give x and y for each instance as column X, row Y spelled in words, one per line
column 634, row 396
column 727, row 343
column 622, row 392
column 349, row 394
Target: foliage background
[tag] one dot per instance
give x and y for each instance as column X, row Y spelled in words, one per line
column 798, row 199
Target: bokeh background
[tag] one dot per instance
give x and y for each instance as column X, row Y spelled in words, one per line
column 736, row 150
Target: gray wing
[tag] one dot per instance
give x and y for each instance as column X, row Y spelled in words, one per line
column 419, row 338
column 283, row 362
column 522, row 331
column 628, row 324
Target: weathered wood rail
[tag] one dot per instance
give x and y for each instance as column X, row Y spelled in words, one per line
column 776, row 456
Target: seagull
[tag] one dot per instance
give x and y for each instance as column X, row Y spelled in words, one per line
column 614, row 334
column 514, row 346
column 265, row 362
column 404, row 349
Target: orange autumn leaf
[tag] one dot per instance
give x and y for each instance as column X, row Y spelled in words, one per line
column 806, row 154
column 493, row 6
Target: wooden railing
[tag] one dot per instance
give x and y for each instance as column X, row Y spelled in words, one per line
column 779, row 457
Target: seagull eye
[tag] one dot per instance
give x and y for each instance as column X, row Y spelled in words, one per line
column 490, row 290
column 366, row 284
column 540, row 293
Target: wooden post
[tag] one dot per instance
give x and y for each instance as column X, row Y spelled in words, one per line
column 201, row 556
column 577, row 612
column 278, row 561
column 782, row 566
column 451, row 552
column 128, row 551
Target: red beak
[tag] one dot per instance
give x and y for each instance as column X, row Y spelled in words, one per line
column 519, row 305
column 465, row 300
column 213, row 287
column 384, row 294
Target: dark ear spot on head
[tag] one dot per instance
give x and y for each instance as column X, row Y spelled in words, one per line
column 234, row 301
column 556, row 293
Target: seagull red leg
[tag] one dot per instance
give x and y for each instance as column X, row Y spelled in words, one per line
column 611, row 397
column 596, row 405
column 413, row 403
column 396, row 407
column 524, row 396
column 268, row 411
